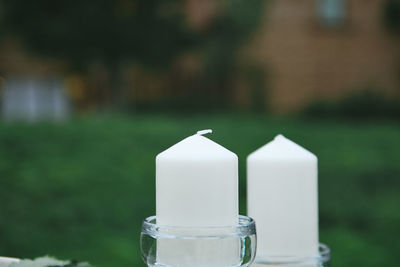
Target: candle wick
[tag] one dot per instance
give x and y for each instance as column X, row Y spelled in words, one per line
column 203, row 132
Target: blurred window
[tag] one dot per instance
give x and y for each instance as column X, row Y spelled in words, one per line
column 331, row 13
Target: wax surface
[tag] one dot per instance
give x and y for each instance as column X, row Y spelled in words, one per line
column 282, row 198
column 197, row 184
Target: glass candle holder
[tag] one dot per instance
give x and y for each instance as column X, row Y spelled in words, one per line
column 321, row 259
column 169, row 246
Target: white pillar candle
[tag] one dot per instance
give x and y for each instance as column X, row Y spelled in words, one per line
column 282, row 198
column 197, row 184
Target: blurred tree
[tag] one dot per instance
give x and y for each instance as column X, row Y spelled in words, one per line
column 230, row 30
column 392, row 20
column 151, row 33
column 365, row 104
column 392, row 15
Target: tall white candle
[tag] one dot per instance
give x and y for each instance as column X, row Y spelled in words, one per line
column 282, row 198
column 197, row 184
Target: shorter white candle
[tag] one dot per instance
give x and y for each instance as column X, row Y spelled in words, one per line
column 282, row 198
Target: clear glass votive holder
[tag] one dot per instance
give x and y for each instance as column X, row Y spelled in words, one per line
column 169, row 246
column 321, row 259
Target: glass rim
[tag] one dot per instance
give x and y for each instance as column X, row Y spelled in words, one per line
column 323, row 256
column 246, row 226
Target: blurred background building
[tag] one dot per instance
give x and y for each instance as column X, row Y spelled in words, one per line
column 326, row 49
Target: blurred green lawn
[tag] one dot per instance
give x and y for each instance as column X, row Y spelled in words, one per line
column 80, row 190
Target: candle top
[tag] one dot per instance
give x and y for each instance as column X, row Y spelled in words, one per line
column 282, row 148
column 196, row 147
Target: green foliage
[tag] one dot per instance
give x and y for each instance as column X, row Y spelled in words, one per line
column 256, row 78
column 391, row 15
column 220, row 44
column 151, row 32
column 80, row 190
column 365, row 104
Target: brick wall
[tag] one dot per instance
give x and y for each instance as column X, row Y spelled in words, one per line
column 309, row 60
